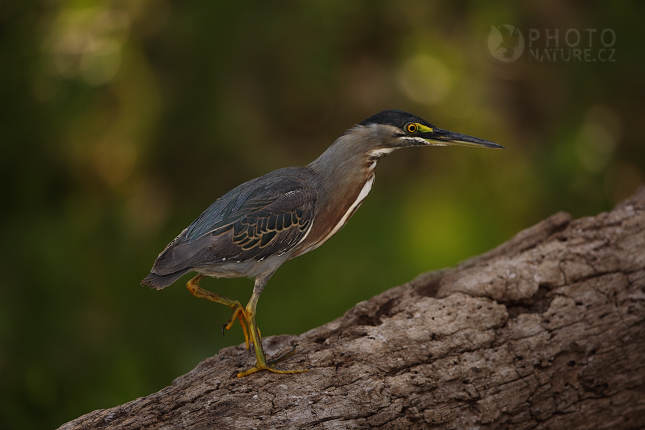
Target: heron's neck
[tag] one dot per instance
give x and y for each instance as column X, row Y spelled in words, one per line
column 345, row 174
column 344, row 167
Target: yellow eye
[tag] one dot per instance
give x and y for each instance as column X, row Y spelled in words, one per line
column 411, row 128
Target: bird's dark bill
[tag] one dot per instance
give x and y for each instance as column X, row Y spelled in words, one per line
column 450, row 138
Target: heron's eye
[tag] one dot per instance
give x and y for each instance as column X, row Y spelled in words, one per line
column 411, row 128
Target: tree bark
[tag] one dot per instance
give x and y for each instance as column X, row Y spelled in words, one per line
column 545, row 331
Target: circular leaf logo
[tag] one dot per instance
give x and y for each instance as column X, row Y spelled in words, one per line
column 505, row 43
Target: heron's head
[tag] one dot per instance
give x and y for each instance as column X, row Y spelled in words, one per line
column 389, row 130
column 367, row 142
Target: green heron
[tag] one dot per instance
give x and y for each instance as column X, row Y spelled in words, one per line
column 254, row 228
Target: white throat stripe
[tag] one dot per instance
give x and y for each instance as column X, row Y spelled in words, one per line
column 381, row 152
column 361, row 196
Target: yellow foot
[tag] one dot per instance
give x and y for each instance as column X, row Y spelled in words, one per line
column 241, row 315
column 282, row 357
column 259, row 367
column 269, row 366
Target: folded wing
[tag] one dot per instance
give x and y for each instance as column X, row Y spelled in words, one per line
column 258, row 219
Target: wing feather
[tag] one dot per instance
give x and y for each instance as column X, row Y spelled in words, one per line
column 263, row 217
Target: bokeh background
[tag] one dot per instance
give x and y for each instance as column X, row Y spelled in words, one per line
column 120, row 121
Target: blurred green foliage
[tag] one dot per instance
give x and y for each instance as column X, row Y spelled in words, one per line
column 122, row 120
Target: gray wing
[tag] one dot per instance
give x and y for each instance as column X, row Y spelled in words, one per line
column 263, row 217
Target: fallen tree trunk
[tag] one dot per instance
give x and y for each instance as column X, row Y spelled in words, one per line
column 545, row 331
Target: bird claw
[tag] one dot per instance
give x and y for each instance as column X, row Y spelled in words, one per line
column 259, row 367
column 240, row 314
column 282, row 357
column 268, row 365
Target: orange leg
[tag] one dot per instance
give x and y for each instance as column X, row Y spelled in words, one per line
column 238, row 310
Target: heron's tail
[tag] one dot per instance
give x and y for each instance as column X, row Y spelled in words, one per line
column 162, row 281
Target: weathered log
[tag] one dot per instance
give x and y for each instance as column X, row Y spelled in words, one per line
column 544, row 331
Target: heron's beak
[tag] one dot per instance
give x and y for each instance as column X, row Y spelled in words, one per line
column 439, row 137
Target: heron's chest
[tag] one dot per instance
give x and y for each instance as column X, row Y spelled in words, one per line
column 349, row 211
column 335, row 215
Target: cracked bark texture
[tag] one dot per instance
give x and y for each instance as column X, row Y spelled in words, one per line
column 546, row 331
